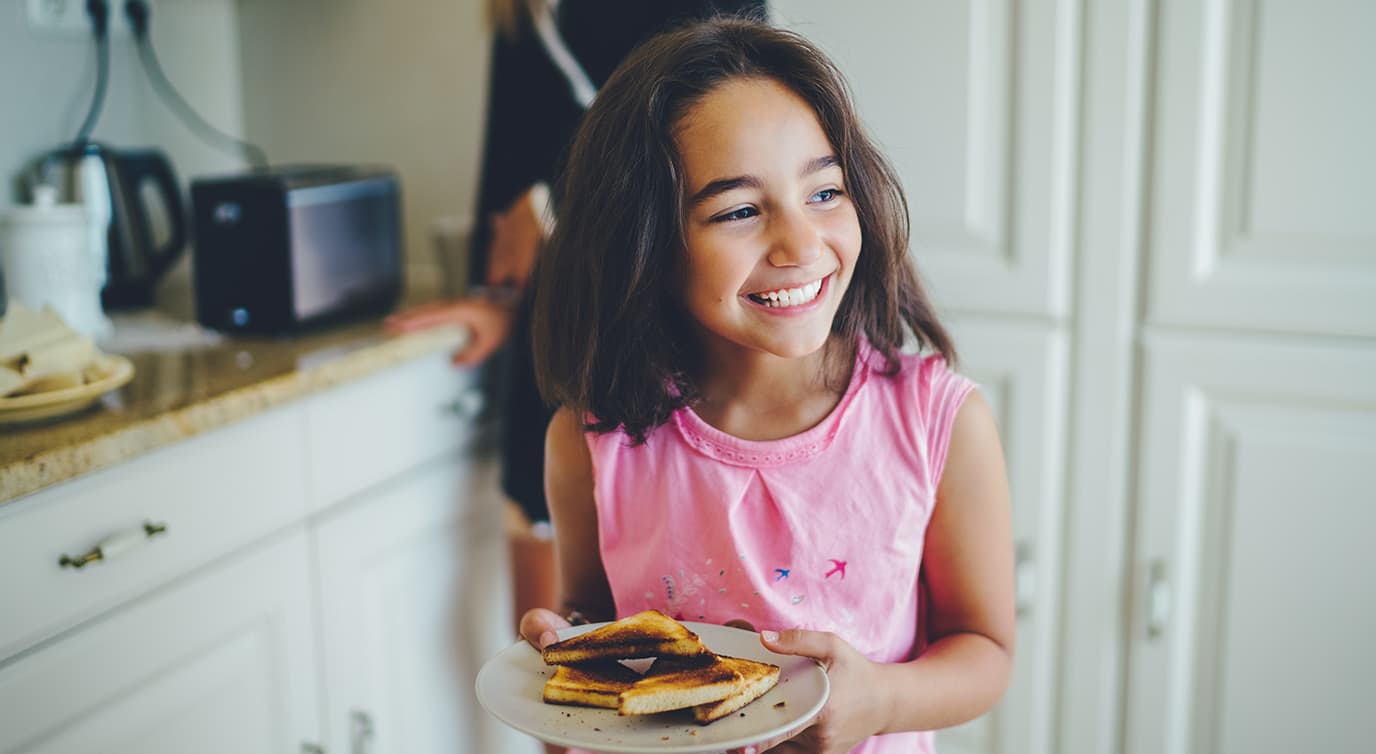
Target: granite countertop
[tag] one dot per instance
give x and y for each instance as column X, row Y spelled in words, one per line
column 184, row 391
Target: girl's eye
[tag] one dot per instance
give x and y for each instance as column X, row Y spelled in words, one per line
column 739, row 214
column 826, row 195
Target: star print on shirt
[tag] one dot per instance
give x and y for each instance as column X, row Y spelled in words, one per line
column 837, row 566
column 783, row 574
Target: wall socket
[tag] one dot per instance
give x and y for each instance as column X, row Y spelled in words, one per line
column 68, row 18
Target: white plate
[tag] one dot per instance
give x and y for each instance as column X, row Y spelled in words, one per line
column 510, row 686
column 115, row 371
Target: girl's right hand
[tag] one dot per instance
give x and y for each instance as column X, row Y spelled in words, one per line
column 538, row 626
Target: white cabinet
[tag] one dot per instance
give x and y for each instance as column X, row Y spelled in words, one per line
column 1021, row 372
column 1252, row 599
column 1154, row 222
column 223, row 661
column 975, row 104
column 392, row 578
column 337, row 586
column 1261, row 194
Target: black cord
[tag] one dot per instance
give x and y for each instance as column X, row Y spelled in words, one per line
column 138, row 13
column 99, row 12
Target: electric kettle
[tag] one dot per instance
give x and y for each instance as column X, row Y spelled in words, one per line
column 134, row 196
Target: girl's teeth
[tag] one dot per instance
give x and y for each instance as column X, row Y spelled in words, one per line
column 789, row 296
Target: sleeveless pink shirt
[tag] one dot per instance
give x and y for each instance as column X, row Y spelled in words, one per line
column 822, row 530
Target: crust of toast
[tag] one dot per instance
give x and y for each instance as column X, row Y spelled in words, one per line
column 646, row 634
column 593, row 685
column 675, row 685
column 758, row 679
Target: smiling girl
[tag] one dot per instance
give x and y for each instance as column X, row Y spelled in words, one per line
column 721, row 315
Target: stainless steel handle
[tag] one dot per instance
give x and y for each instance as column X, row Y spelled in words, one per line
column 1024, row 579
column 1159, row 600
column 466, row 405
column 115, row 544
column 360, row 732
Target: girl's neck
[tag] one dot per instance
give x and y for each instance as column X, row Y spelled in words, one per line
column 757, row 396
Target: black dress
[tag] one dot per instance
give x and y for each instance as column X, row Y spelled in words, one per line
column 531, row 117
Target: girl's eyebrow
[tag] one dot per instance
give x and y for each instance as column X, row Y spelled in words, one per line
column 723, row 185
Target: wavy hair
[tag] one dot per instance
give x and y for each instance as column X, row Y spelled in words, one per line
column 610, row 339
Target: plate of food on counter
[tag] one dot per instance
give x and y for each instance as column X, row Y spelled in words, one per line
column 48, row 370
column 650, row 683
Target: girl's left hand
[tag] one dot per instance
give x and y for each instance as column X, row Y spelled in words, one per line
column 856, row 707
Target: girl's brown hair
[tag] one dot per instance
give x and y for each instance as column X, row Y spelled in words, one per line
column 609, row 337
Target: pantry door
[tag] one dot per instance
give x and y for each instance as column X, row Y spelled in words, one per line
column 1253, row 605
column 976, row 104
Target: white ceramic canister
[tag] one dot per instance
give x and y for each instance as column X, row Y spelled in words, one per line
column 47, row 259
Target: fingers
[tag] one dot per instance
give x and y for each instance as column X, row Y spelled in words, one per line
column 794, row 740
column 433, row 314
column 538, row 626
column 819, row 645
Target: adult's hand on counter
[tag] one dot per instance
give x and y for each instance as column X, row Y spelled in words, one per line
column 488, row 321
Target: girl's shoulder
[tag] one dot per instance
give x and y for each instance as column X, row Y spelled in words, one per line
column 920, row 369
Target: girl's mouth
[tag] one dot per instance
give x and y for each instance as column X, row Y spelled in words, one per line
column 785, row 298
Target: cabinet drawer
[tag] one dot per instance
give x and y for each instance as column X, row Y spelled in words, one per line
column 220, row 662
column 213, row 493
column 368, row 431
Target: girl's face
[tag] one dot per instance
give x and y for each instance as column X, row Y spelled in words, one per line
column 772, row 236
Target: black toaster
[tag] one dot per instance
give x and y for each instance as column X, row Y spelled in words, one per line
column 281, row 248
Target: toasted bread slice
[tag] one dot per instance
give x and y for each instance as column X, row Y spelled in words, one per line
column 592, row 685
column 647, row 634
column 759, row 678
column 677, row 682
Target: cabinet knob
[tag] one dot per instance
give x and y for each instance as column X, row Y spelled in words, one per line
column 466, row 405
column 115, row 544
column 361, row 732
column 1024, row 579
column 1158, row 600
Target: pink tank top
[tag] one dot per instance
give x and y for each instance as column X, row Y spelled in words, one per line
column 822, row 530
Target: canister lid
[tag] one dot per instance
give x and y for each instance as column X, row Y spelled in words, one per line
column 46, row 209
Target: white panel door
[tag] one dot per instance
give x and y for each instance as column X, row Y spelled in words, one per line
column 1264, row 211
column 976, row 104
column 1253, row 603
column 397, row 589
column 222, row 662
column 1021, row 370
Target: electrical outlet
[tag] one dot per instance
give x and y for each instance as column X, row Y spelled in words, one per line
column 68, row 18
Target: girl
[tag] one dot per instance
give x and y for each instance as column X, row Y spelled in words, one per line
column 720, row 315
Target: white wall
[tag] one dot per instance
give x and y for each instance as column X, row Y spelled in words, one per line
column 360, row 81
column 349, row 81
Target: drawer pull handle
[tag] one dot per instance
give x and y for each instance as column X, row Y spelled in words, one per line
column 361, row 732
column 1158, row 600
column 1024, row 579
column 115, row 544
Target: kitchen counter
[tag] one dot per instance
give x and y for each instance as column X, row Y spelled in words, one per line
column 181, row 393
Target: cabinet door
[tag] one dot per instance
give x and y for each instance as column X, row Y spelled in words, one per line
column 402, row 648
column 976, row 105
column 1021, row 370
column 221, row 662
column 1253, row 605
column 1263, row 165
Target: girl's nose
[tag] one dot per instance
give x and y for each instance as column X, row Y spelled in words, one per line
column 795, row 240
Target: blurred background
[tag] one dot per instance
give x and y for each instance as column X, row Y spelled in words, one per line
column 1152, row 226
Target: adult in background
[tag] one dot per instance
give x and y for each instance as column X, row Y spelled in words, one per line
column 548, row 59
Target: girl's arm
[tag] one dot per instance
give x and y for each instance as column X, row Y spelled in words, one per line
column 968, row 561
column 573, row 513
